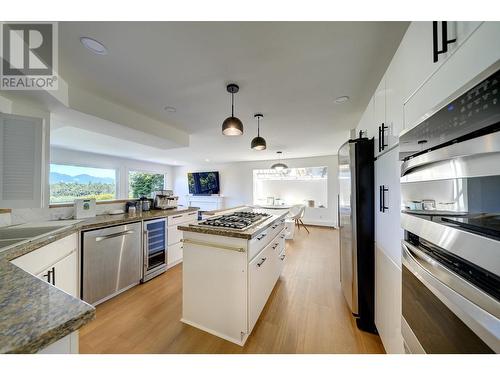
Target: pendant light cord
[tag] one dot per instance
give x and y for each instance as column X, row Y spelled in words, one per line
column 258, row 126
column 232, row 104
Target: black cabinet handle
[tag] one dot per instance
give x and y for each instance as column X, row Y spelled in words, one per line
column 381, row 137
column 444, row 39
column 384, row 128
column 47, row 275
column 382, row 191
column 262, row 260
column 53, row 276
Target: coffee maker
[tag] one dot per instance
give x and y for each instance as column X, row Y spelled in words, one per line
column 165, row 199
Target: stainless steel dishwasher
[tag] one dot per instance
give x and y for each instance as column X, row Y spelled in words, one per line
column 111, row 261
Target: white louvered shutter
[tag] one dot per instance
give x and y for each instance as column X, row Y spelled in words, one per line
column 21, row 161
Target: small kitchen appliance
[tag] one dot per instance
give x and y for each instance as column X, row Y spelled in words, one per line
column 84, row 208
column 164, row 200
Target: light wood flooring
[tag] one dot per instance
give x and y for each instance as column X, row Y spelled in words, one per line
column 306, row 312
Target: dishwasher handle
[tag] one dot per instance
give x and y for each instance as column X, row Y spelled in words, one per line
column 113, row 235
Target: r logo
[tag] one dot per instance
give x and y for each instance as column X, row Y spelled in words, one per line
column 27, row 49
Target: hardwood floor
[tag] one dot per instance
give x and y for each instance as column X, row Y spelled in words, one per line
column 306, row 312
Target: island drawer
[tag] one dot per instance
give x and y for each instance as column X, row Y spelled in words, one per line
column 255, row 245
column 183, row 218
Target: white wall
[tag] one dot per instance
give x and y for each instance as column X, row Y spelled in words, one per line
column 236, row 180
column 122, row 165
column 292, row 191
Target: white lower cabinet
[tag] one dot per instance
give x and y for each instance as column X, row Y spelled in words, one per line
column 227, row 281
column 174, row 236
column 62, row 274
column 261, row 280
column 388, row 302
column 57, row 264
column 67, row 345
column 174, row 255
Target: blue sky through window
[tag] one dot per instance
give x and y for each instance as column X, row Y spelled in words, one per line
column 72, row 170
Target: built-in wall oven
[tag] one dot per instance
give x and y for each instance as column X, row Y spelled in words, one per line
column 450, row 189
column 155, row 248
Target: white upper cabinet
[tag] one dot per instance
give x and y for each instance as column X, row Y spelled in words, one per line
column 478, row 49
column 21, row 161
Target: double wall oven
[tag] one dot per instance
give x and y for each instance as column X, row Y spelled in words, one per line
column 450, row 189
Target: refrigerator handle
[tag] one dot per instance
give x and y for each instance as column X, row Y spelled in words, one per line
column 338, row 211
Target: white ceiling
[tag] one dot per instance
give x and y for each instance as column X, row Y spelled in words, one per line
column 289, row 71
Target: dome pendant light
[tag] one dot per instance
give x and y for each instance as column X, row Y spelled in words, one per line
column 279, row 166
column 258, row 143
column 232, row 125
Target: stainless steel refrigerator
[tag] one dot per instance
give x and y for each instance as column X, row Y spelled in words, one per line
column 356, row 227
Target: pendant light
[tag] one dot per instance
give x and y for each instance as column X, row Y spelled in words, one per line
column 258, row 143
column 279, row 166
column 232, row 125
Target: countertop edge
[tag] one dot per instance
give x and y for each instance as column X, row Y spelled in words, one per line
column 55, row 334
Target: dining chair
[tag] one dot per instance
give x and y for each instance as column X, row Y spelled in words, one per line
column 296, row 213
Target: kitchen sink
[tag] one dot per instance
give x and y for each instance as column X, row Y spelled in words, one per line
column 16, row 233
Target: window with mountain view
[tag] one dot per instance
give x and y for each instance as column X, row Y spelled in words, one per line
column 68, row 182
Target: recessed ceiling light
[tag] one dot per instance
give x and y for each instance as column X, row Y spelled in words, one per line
column 207, row 160
column 94, row 45
column 341, row 99
column 170, row 109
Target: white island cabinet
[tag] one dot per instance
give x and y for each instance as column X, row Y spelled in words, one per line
column 227, row 280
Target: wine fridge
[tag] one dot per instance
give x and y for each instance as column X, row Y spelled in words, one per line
column 155, row 248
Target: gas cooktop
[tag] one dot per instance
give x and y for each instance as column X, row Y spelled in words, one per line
column 236, row 220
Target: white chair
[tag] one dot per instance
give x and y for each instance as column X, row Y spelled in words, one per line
column 296, row 213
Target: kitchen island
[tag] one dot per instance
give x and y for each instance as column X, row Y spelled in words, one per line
column 229, row 274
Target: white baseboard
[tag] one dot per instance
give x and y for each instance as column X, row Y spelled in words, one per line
column 320, row 223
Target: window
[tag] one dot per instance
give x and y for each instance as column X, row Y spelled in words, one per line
column 144, row 183
column 68, row 182
column 308, row 186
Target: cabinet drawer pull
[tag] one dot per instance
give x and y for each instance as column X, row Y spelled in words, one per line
column 275, row 246
column 261, row 262
column 193, row 213
column 261, row 236
column 113, row 235
column 176, row 217
column 282, row 257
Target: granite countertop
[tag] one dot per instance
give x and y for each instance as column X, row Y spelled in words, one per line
column 247, row 234
column 34, row 313
column 109, row 220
